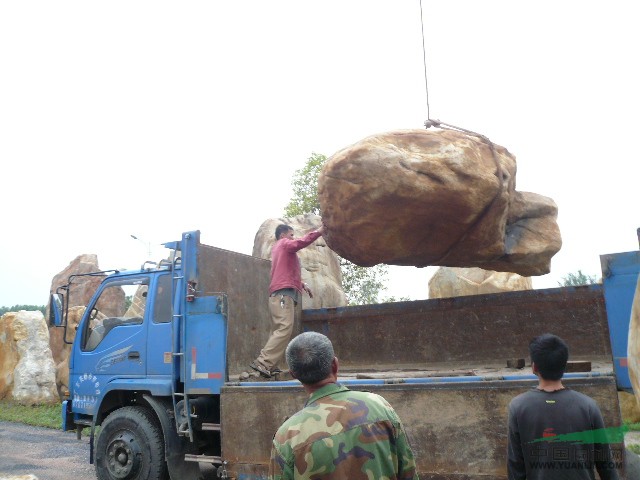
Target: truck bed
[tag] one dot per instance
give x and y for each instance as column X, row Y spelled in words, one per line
column 442, row 364
column 457, row 428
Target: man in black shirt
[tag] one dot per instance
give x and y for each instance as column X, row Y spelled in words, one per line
column 550, row 410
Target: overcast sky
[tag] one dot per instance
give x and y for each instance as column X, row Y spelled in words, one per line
column 154, row 118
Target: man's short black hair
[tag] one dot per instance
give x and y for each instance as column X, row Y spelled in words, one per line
column 550, row 354
column 281, row 229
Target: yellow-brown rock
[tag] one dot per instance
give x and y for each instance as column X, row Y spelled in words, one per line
column 82, row 290
column 633, row 345
column 457, row 282
column 27, row 371
column 63, row 350
column 419, row 197
column 8, row 354
column 629, row 407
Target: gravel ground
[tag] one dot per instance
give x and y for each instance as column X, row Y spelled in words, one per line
column 46, row 453
column 54, row 455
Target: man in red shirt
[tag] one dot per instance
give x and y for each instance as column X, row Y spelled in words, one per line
column 284, row 290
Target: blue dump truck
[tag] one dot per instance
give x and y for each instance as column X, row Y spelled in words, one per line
column 158, row 356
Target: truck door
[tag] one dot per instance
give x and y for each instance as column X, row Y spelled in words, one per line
column 159, row 328
column 112, row 340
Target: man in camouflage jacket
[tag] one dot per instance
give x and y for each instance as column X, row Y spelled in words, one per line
column 339, row 434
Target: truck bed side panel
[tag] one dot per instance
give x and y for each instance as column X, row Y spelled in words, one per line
column 471, row 331
column 457, row 431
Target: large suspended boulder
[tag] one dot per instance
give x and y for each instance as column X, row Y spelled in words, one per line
column 449, row 282
column 320, row 267
column 419, row 197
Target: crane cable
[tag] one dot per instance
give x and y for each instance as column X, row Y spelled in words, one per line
column 499, row 173
column 424, row 60
column 437, row 123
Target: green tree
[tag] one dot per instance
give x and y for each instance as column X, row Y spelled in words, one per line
column 305, row 188
column 362, row 285
column 577, row 279
column 17, row 308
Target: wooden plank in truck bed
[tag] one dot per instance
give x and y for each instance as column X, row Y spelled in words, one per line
column 458, row 430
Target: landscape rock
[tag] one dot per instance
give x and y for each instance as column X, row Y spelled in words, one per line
column 8, row 354
column 457, row 282
column 629, row 407
column 64, row 350
column 85, row 286
column 27, row 371
column 320, row 266
column 418, row 197
column 82, row 290
column 633, row 345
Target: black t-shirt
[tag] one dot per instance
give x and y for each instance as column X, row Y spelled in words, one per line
column 536, row 417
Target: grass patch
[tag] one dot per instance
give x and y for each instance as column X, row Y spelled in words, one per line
column 38, row 415
column 634, row 448
column 632, row 427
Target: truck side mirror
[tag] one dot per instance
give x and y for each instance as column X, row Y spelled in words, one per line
column 55, row 310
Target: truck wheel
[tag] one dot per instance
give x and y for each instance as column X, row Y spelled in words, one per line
column 130, row 446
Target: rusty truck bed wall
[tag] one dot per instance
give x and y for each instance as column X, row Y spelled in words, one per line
column 457, row 430
column 457, row 427
column 245, row 280
column 470, row 331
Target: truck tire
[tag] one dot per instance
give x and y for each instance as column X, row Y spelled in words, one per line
column 130, row 446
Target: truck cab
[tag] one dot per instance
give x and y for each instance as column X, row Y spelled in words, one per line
column 145, row 339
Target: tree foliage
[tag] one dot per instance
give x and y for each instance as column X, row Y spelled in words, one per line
column 305, row 188
column 577, row 279
column 362, row 285
column 28, row 308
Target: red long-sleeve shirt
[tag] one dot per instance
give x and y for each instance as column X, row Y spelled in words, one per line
column 285, row 265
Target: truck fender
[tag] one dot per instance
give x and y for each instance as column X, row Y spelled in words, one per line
column 175, row 446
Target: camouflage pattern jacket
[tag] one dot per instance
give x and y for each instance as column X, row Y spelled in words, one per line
column 342, row 434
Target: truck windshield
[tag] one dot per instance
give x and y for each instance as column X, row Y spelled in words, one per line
column 120, row 303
